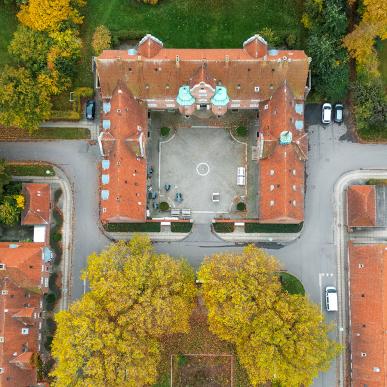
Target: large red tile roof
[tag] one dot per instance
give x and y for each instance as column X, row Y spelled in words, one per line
column 155, row 72
column 361, row 206
column 281, row 167
column 37, row 205
column 124, row 146
column 368, row 313
column 20, row 298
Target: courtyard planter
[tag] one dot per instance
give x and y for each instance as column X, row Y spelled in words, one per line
column 164, row 131
column 241, row 206
column 164, row 206
column 224, row 227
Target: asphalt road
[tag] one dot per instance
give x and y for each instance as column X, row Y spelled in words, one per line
column 312, row 257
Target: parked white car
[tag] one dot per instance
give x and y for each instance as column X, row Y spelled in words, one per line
column 326, row 113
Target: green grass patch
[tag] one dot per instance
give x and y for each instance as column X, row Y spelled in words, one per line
column 376, row 182
column 181, row 226
column 133, row 227
column 223, row 226
column 291, row 284
column 61, row 133
column 38, row 169
column 164, row 131
column 373, row 133
column 187, row 24
column 8, row 23
column 273, row 228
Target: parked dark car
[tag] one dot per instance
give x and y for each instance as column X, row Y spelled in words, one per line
column 338, row 116
column 90, row 110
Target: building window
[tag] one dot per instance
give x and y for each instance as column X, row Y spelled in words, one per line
column 271, row 203
column 46, row 282
column 104, row 209
column 4, row 292
column 363, row 354
column 361, row 265
column 2, row 266
column 25, row 331
column 266, row 107
column 1, row 339
column 271, row 172
column 256, row 89
column 238, row 86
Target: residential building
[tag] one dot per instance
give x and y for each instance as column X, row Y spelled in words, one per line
column 368, row 314
column 361, row 206
column 254, row 77
column 37, row 210
column 24, row 273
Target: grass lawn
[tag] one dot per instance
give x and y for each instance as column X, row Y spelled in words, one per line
column 61, row 133
column 133, row 227
column 189, row 23
column 199, row 371
column 33, row 169
column 382, row 51
column 374, row 133
column 8, row 24
column 291, row 284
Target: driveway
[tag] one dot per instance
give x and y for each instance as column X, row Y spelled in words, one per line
column 312, row 257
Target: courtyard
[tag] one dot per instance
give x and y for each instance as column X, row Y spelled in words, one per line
column 195, row 164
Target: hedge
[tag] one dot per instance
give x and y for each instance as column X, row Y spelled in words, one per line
column 164, row 206
column 224, row 227
column 65, row 115
column 273, row 228
column 181, row 226
column 133, row 227
column 377, row 182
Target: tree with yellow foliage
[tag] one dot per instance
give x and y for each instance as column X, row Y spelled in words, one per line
column 49, row 15
column 279, row 337
column 111, row 336
column 102, row 39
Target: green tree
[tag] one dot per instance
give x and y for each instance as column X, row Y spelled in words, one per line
column 9, row 211
column 5, row 177
column 24, row 102
column 30, row 48
column 278, row 337
column 111, row 336
column 102, row 39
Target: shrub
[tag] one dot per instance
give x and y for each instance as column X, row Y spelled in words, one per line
column 164, row 131
column 241, row 131
column 270, row 36
column 376, row 182
column 57, row 237
column 67, row 115
column 224, row 227
column 275, row 228
column 133, row 227
column 119, row 36
column 291, row 284
column 164, row 206
column 83, row 92
column 50, row 298
column 181, row 360
column 241, row 206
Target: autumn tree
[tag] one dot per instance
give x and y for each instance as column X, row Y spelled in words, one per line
column 111, row 336
column 278, row 337
column 49, row 15
column 5, row 177
column 10, row 210
column 24, row 102
column 102, row 39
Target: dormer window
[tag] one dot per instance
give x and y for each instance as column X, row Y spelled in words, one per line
column 2, row 266
column 25, row 331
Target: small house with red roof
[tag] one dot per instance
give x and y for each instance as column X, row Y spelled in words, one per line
column 37, row 209
column 361, row 206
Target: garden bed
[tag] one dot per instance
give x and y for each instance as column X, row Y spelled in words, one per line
column 33, row 169
column 181, row 226
column 272, row 228
column 133, row 227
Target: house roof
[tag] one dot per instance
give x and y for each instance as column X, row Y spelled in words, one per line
column 361, row 206
column 123, row 192
column 155, row 72
column 284, row 149
column 368, row 300
column 20, row 282
column 37, row 206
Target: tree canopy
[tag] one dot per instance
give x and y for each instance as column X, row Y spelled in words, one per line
column 102, row 39
column 24, row 101
column 111, row 336
column 278, row 336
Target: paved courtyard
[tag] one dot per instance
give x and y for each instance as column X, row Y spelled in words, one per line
column 198, row 162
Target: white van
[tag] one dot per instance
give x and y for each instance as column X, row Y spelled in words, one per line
column 331, row 298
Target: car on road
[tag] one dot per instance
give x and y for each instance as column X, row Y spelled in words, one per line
column 338, row 115
column 326, row 113
column 90, row 110
column 331, row 299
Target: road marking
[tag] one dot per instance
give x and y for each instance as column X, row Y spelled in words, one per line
column 320, row 275
column 84, row 286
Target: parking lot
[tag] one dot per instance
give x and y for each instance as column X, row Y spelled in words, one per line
column 198, row 162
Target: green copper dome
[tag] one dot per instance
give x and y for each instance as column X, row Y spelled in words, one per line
column 184, row 98
column 220, row 97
